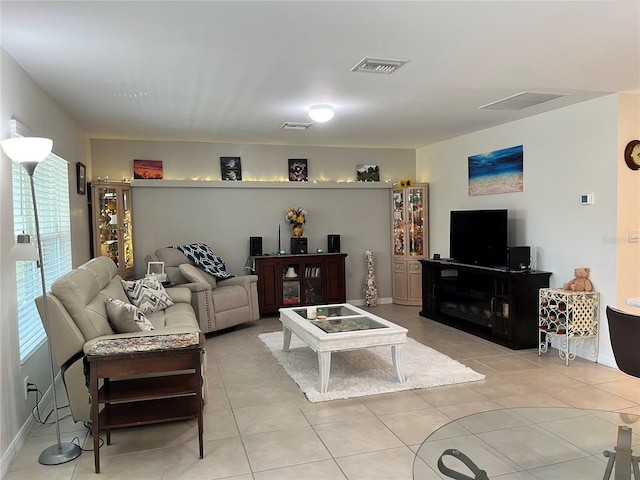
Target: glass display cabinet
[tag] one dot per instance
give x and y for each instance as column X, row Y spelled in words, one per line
column 410, row 242
column 111, row 225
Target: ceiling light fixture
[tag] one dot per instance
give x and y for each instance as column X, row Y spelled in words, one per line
column 321, row 113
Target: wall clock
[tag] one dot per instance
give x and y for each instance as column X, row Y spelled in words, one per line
column 632, row 154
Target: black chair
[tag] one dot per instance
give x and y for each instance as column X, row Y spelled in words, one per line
column 624, row 331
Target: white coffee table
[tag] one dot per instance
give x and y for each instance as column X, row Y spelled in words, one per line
column 345, row 328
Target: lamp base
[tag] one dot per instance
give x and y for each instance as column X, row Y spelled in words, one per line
column 57, row 454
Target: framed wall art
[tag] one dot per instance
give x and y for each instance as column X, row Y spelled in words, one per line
column 298, row 170
column 500, row 171
column 147, row 169
column 230, row 168
column 81, row 171
column 367, row 173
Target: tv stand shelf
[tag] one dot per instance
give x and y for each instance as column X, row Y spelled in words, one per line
column 492, row 303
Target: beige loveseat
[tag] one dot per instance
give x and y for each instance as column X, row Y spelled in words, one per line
column 218, row 304
column 78, row 319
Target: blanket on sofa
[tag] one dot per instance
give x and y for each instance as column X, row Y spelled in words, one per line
column 204, row 257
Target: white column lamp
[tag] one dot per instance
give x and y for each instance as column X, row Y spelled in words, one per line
column 29, row 152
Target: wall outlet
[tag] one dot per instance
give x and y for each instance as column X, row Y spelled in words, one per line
column 26, row 388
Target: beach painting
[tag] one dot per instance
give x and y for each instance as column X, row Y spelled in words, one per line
column 500, row 171
column 147, row 169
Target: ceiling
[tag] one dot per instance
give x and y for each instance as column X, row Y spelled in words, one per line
column 236, row 71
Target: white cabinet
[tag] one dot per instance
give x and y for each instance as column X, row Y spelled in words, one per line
column 409, row 242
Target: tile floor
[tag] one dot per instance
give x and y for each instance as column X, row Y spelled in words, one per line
column 258, row 425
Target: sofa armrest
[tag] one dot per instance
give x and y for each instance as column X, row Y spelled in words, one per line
column 242, row 280
column 179, row 294
column 202, row 304
column 250, row 284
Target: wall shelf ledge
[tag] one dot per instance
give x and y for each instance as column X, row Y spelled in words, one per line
column 257, row 184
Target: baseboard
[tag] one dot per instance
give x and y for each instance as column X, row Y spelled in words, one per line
column 360, row 301
column 21, row 438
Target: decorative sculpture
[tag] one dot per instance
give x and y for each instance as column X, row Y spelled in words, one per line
column 370, row 285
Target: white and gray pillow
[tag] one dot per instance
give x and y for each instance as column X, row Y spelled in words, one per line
column 147, row 294
column 125, row 317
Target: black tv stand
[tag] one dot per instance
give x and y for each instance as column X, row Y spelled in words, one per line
column 490, row 302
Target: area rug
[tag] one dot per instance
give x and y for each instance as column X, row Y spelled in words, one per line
column 357, row 373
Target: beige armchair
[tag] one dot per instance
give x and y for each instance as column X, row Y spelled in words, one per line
column 218, row 304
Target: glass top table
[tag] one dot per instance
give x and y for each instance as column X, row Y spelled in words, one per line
column 341, row 327
column 533, row 443
column 338, row 318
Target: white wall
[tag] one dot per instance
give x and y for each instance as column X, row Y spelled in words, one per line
column 225, row 215
column 567, row 152
column 23, row 100
column 628, row 206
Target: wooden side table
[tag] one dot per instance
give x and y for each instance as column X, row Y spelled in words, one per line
column 171, row 391
column 569, row 316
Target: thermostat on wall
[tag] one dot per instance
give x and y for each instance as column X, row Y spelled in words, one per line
column 586, row 199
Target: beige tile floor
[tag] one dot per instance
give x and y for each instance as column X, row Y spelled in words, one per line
column 258, row 425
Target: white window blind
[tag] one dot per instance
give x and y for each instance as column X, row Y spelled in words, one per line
column 51, row 179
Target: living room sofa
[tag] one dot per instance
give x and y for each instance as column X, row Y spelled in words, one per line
column 218, row 303
column 78, row 319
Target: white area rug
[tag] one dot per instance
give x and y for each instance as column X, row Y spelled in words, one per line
column 357, row 373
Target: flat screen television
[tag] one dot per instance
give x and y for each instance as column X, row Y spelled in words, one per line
column 479, row 237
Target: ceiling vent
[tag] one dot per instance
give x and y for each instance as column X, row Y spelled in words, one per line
column 295, row 125
column 378, row 65
column 522, row 101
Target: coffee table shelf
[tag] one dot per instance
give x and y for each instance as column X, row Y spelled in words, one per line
column 146, row 412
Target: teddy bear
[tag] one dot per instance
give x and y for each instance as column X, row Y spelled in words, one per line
column 581, row 282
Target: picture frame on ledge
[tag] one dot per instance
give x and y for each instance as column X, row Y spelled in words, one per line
column 81, row 171
column 231, row 168
column 368, row 173
column 298, row 170
column 147, row 169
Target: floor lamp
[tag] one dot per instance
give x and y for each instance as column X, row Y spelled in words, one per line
column 29, row 152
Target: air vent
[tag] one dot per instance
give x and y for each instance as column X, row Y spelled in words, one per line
column 295, row 125
column 378, row 65
column 522, row 101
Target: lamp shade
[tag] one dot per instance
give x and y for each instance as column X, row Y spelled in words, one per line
column 27, row 149
column 321, row 113
column 24, row 250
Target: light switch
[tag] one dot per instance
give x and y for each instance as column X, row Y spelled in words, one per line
column 634, row 235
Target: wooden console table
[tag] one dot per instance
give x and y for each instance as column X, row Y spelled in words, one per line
column 161, row 395
column 298, row 280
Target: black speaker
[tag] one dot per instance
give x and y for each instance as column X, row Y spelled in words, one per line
column 255, row 246
column 519, row 258
column 298, row 245
column 333, row 243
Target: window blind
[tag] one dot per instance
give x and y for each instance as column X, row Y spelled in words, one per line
column 51, row 181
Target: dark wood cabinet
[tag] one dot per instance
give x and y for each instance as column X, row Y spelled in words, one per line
column 298, row 280
column 167, row 387
column 492, row 303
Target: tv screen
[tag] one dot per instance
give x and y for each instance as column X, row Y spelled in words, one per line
column 479, row 237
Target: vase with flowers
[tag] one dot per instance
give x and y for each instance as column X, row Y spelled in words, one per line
column 296, row 217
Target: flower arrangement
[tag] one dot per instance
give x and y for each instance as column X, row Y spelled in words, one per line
column 296, row 216
column 405, row 182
